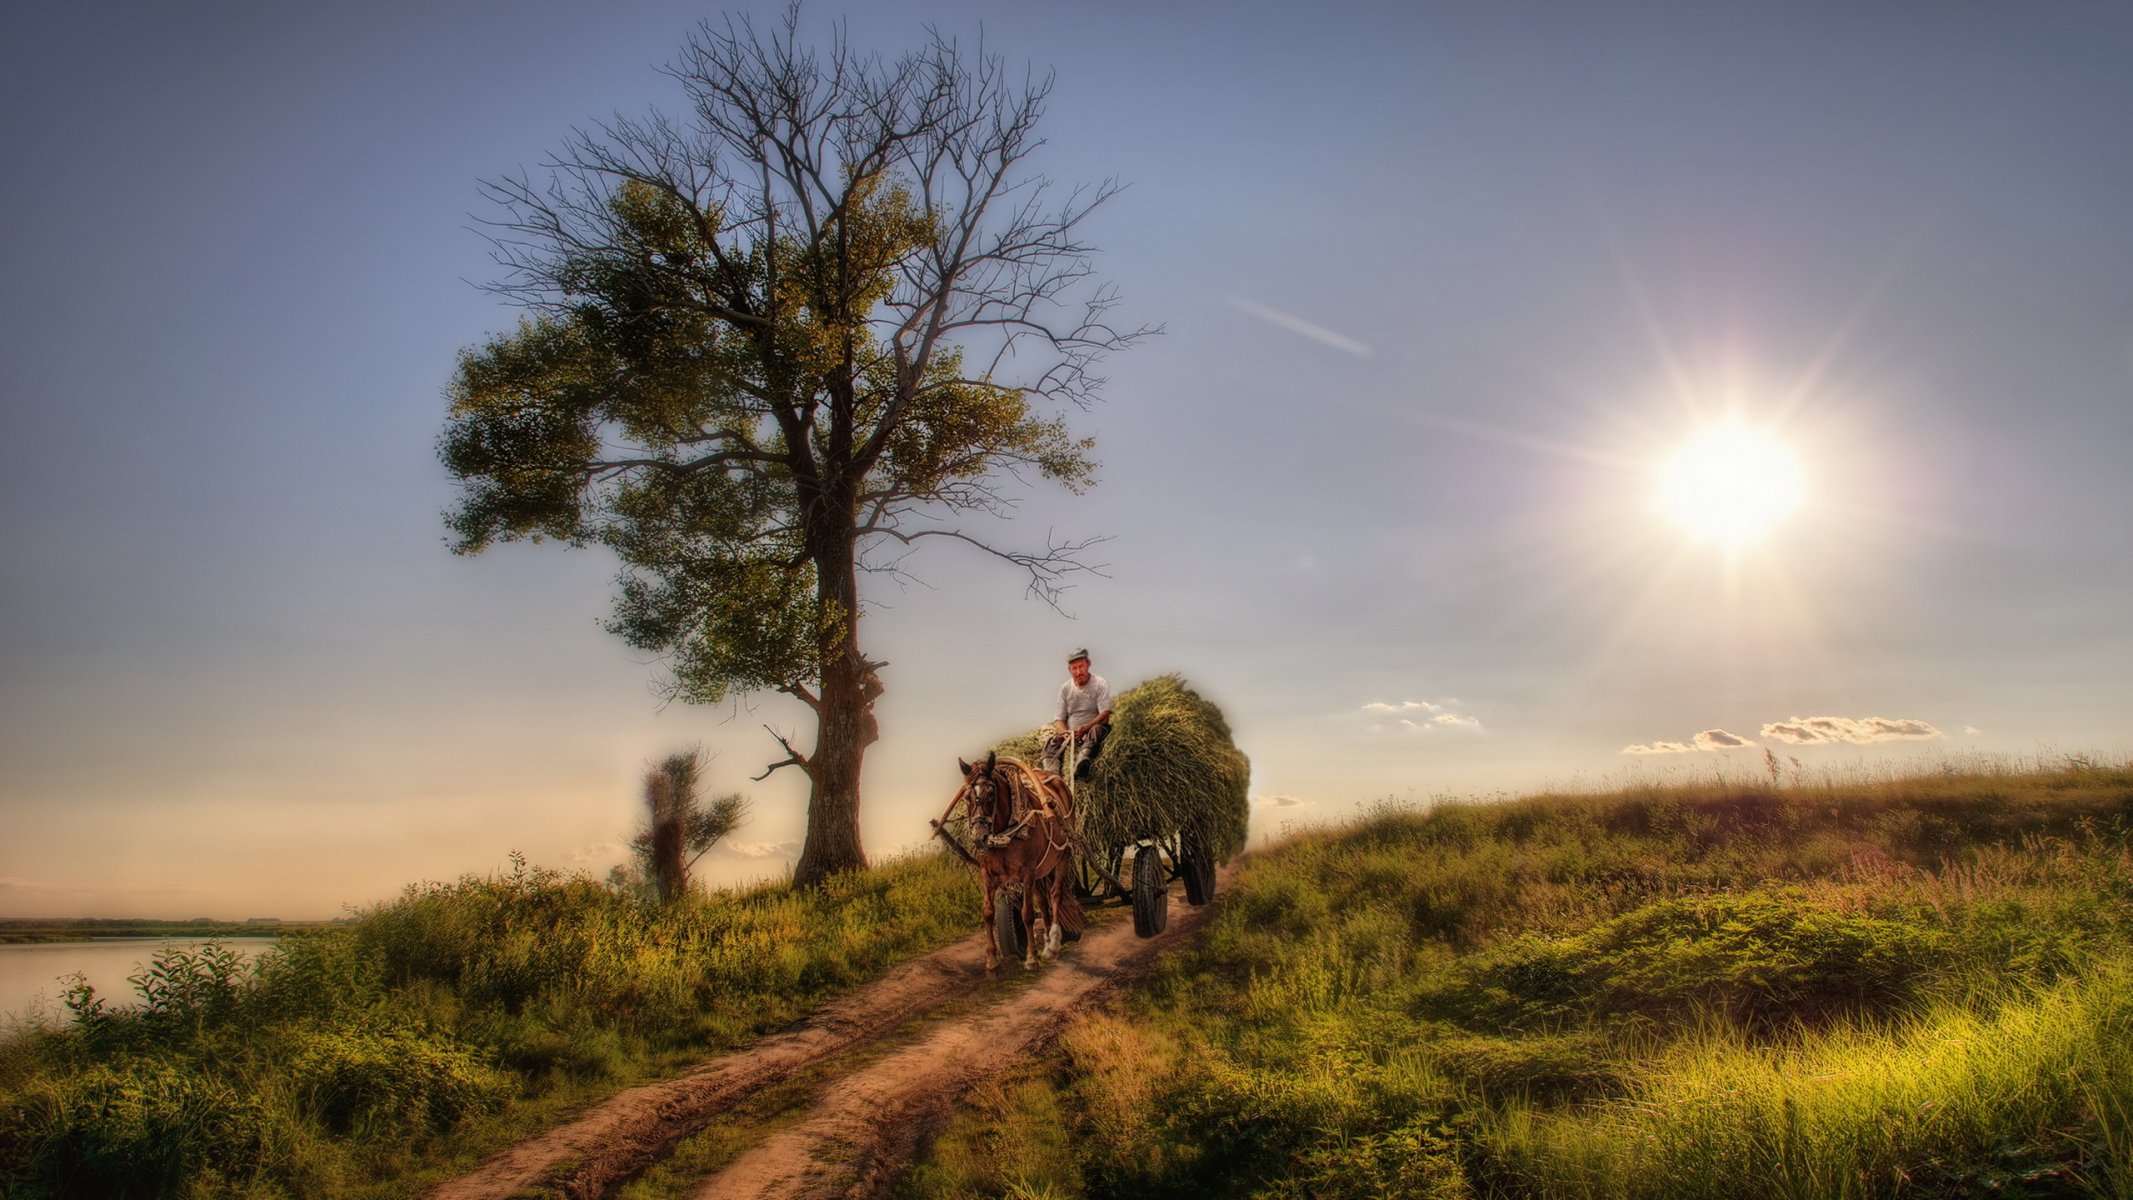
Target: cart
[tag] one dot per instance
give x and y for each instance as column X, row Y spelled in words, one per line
column 1166, row 802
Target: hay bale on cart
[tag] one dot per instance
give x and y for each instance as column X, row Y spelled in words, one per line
column 1170, row 786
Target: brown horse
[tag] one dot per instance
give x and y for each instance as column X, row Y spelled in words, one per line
column 1023, row 822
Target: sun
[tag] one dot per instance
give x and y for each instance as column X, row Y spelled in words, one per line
column 1729, row 485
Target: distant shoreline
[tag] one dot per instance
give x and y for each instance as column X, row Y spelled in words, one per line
column 22, row 930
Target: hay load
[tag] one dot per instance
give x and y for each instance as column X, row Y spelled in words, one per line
column 1170, row 764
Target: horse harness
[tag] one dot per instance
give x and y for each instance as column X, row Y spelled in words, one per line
column 1026, row 794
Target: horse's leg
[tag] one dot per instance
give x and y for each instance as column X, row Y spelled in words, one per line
column 1050, row 884
column 1043, row 935
column 1029, row 923
column 1056, row 938
column 987, row 885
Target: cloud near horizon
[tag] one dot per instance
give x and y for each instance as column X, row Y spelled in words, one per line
column 753, row 851
column 1708, row 740
column 1803, row 731
column 1279, row 800
column 1418, row 716
column 1811, row 731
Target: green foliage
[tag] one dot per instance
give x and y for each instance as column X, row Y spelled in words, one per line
column 382, row 1082
column 1414, row 1160
column 1761, row 959
column 133, row 1127
column 191, row 988
column 679, row 828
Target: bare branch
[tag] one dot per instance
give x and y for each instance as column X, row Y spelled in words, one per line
column 793, row 758
column 1048, row 569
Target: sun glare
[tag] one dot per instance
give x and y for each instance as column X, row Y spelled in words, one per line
column 1729, row 485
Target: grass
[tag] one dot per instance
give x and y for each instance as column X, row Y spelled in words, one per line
column 1879, row 988
column 374, row 1057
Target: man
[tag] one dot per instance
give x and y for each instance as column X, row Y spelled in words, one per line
column 1084, row 716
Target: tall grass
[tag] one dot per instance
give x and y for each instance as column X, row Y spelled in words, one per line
column 2024, row 1092
column 1917, row 986
column 363, row 1058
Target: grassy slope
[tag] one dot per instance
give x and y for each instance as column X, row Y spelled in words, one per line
column 1919, row 987
column 373, row 1058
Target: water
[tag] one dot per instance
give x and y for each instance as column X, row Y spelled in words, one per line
column 30, row 987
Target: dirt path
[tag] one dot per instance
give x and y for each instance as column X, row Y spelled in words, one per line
column 870, row 1121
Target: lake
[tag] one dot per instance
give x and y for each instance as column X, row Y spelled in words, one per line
column 30, row 973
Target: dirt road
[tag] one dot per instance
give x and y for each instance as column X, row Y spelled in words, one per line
column 864, row 1125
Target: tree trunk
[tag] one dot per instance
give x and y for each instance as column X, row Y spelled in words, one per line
column 844, row 715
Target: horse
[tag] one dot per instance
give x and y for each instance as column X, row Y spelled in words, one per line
column 1023, row 822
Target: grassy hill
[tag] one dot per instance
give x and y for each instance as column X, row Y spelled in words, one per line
column 1918, row 987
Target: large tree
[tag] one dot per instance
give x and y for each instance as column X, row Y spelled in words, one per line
column 773, row 344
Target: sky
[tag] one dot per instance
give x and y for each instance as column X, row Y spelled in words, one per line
column 1443, row 287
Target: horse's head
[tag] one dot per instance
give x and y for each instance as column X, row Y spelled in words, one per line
column 985, row 794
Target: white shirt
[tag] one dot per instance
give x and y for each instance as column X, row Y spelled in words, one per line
column 1080, row 705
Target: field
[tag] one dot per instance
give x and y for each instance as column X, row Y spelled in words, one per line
column 1875, row 988
column 1906, row 987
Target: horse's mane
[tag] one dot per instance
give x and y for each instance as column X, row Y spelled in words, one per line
column 1034, row 788
column 1022, row 787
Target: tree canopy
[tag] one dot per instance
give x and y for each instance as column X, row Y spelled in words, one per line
column 773, row 344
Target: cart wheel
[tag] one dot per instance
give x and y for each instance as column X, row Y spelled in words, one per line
column 1199, row 873
column 1007, row 931
column 1151, row 901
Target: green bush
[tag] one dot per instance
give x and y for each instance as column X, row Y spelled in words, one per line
column 1415, row 1161
column 136, row 1128
column 1764, row 960
column 388, row 1081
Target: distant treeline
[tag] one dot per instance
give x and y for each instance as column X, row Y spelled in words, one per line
column 81, row 929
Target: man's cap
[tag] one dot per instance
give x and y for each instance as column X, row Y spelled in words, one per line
column 1081, row 653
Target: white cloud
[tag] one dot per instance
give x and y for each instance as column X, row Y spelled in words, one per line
column 1417, row 716
column 1710, row 740
column 604, row 852
column 1404, row 707
column 1973, row 730
column 1294, row 324
column 1279, row 801
column 753, row 851
column 1810, row 731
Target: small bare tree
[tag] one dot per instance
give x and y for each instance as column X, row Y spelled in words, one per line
column 776, row 343
column 678, row 829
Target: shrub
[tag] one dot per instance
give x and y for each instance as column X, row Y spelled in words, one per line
column 1762, row 959
column 377, row 1082
column 136, row 1128
column 1415, row 1161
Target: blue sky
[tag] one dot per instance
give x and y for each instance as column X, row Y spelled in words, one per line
column 1441, row 284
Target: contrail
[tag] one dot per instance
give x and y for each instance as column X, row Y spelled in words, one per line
column 1317, row 333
